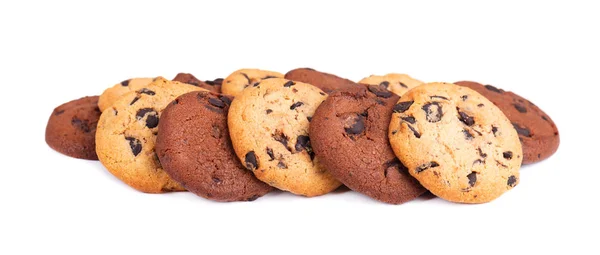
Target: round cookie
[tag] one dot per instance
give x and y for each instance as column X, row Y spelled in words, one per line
column 194, row 148
column 127, row 131
column 214, row 86
column 457, row 143
column 325, row 81
column 537, row 132
column 71, row 129
column 268, row 124
column 394, row 82
column 112, row 94
column 349, row 134
column 236, row 82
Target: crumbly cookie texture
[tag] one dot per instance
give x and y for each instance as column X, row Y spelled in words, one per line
column 394, row 82
column 237, row 81
column 112, row 94
column 457, row 143
column 126, row 136
column 537, row 132
column 268, row 124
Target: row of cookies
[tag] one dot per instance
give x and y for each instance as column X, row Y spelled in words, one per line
column 269, row 124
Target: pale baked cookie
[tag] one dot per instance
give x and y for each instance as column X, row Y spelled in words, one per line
column 243, row 78
column 394, row 82
column 112, row 94
column 126, row 136
column 457, row 143
column 268, row 124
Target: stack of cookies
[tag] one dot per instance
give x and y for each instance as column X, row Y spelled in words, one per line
column 390, row 137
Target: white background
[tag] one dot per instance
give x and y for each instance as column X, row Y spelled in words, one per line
column 55, row 51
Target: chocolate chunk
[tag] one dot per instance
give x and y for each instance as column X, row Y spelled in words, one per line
column 403, row 85
column 247, row 78
column 465, row 118
column 147, row 92
column 216, row 102
column 384, row 84
column 280, row 137
column 296, row 104
column 225, row 100
column 523, row 131
column 480, row 105
column 125, row 83
column 426, row 166
column 81, row 124
column 402, row 106
column 409, row 119
column 216, row 180
column 270, row 153
column 134, row 100
column 468, row 134
column 357, row 127
column 472, row 178
column 380, row 91
column 492, row 88
column 214, row 82
column 281, row 165
column 415, row 132
column 322, row 93
column 481, row 154
column 135, row 145
column 394, row 163
column 303, row 142
column 433, row 112
column 256, row 84
column 507, row 154
column 440, row 97
column 309, row 118
column 464, row 97
column 269, row 111
column 250, row 160
column 151, row 119
column 494, row 130
column 520, row 108
column 289, row 84
column 512, row 181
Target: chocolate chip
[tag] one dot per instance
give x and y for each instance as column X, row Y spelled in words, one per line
column 309, row 118
column 59, row 112
column 494, row 130
column 147, row 92
column 512, row 181
column 384, row 84
column 216, row 180
column 294, row 90
column 356, row 126
column 135, row 144
column 480, row 105
column 402, row 106
column 296, row 104
column 256, row 84
column 544, row 118
column 481, row 154
column 246, row 76
column 134, row 100
column 250, row 160
column 270, row 153
column 303, row 142
column 252, row 198
column 151, row 119
column 125, row 83
column 464, row 97
column 216, row 102
column 440, row 97
column 289, row 84
column 472, row 178
column 465, row 118
column 479, row 161
column 468, row 134
column 520, row 108
column 380, row 91
column 492, row 88
column 280, row 137
column 426, row 166
column 225, row 100
column 395, row 163
column 269, row 111
column 394, row 132
column 217, row 81
column 322, row 93
column 522, row 130
column 81, row 124
column 433, row 112
column 281, row 165
column 409, row 119
column 403, row 85
column 539, row 155
column 193, row 82
column 507, row 154
column 415, row 132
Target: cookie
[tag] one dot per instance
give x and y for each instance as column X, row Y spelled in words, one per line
column 268, row 124
column 214, row 86
column 457, row 143
column 112, row 94
column 394, row 82
column 127, row 131
column 243, row 78
column 537, row 132
column 326, row 82
column 194, row 148
column 349, row 134
column 71, row 128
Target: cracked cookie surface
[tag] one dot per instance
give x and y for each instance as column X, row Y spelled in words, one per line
column 349, row 135
column 194, row 148
column 126, row 136
column 237, row 81
column 268, row 124
column 394, row 82
column 457, row 143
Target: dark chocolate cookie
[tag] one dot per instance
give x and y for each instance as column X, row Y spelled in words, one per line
column 194, row 148
column 71, row 129
column 214, row 86
column 536, row 130
column 326, row 82
column 349, row 136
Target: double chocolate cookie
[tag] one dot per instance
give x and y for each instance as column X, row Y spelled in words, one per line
column 214, row 85
column 537, row 132
column 325, row 81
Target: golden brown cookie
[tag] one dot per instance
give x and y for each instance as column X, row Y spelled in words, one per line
column 241, row 79
column 112, row 94
column 394, row 82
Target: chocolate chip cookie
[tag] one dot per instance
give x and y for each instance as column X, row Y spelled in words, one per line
column 349, row 134
column 268, row 124
column 537, row 132
column 127, row 131
column 214, row 86
column 457, row 143
column 194, row 148
column 110, row 95
column 325, row 81
column 243, row 78
column 71, row 129
column 394, row 82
